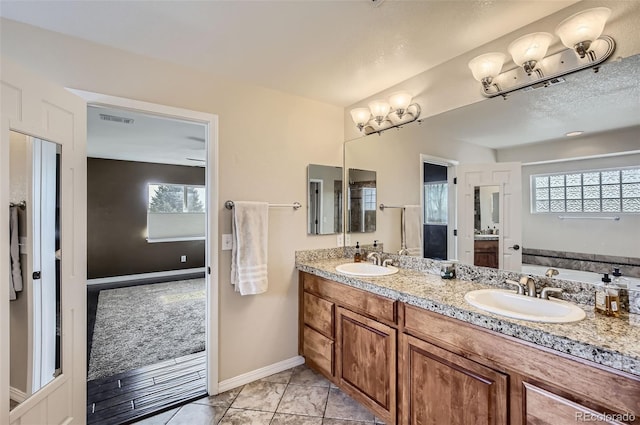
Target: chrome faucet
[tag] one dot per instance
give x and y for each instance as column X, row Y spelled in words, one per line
column 403, row 251
column 551, row 272
column 544, row 294
column 387, row 262
column 374, row 257
column 529, row 285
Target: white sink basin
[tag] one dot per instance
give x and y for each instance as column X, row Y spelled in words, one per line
column 365, row 269
column 509, row 303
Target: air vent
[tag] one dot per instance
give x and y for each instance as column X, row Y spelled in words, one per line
column 114, row 118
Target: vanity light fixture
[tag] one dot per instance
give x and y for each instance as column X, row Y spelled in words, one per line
column 581, row 33
column 382, row 115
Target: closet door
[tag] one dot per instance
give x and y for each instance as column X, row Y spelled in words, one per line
column 42, row 110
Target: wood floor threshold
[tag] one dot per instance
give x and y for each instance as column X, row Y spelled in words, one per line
column 138, row 393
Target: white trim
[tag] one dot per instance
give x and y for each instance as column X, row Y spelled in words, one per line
column 263, row 372
column 212, row 184
column 125, row 278
column 17, row 395
column 182, row 239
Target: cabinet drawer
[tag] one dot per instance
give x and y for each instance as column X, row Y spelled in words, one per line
column 546, row 408
column 318, row 351
column 375, row 306
column 318, row 314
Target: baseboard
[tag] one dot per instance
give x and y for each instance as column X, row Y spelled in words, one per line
column 263, row 372
column 17, row 395
column 144, row 276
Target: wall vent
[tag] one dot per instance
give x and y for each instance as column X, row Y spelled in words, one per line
column 115, row 118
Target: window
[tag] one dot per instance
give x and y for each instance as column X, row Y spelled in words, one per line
column 590, row 191
column 435, row 203
column 369, row 195
column 176, row 212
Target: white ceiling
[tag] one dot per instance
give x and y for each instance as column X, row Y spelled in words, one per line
column 337, row 52
column 148, row 138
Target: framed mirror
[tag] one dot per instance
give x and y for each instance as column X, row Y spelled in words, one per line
column 486, row 220
column 35, row 340
column 325, row 200
column 519, row 129
column 362, row 201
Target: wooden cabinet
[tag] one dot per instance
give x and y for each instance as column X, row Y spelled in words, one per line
column 366, row 362
column 440, row 387
column 349, row 336
column 485, row 254
column 416, row 367
column 542, row 407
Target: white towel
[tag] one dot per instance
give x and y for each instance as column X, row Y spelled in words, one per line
column 15, row 275
column 413, row 229
column 249, row 228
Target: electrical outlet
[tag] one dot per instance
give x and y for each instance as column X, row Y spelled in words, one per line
column 347, row 239
column 183, row 258
column 340, row 239
column 227, row 242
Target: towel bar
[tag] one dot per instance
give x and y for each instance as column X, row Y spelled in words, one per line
column 296, row 205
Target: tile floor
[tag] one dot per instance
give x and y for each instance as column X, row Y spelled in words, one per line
column 297, row 396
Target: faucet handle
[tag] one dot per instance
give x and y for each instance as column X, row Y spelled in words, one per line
column 546, row 291
column 387, row 262
column 520, row 287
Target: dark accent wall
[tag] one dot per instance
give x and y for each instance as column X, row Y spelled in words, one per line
column 117, row 219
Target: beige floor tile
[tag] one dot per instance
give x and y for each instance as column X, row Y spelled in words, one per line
column 191, row 414
column 259, row 395
column 246, row 417
column 341, row 406
column 286, row 419
column 304, row 400
column 302, row 375
column 223, row 399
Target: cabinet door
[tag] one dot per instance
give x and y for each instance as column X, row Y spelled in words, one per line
column 542, row 407
column 440, row 387
column 366, row 362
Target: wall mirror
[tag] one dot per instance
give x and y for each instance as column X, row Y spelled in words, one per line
column 458, row 135
column 324, row 188
column 361, row 201
column 35, row 340
column 486, row 220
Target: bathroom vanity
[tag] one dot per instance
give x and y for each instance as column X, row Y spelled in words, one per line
column 409, row 348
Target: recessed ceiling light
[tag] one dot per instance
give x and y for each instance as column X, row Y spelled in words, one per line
column 574, row 133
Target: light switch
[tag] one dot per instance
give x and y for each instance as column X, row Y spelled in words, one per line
column 227, row 242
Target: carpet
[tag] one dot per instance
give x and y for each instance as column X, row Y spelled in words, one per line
column 141, row 325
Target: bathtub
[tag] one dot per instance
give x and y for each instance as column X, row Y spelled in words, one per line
column 576, row 275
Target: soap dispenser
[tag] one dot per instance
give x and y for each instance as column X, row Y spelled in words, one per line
column 357, row 257
column 601, row 295
column 613, row 299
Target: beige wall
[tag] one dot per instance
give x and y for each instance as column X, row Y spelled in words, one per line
column 266, row 140
column 396, row 157
column 620, row 148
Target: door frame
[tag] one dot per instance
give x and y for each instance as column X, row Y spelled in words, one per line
column 452, row 240
column 211, row 181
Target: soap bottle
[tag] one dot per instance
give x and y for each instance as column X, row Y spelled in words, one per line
column 601, row 295
column 357, row 257
column 613, row 299
column 618, row 280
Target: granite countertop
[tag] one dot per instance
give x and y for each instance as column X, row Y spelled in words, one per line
column 613, row 342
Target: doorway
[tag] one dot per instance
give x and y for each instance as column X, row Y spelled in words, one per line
column 438, row 200
column 165, row 260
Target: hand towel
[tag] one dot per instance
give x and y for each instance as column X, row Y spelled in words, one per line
column 15, row 275
column 413, row 229
column 249, row 228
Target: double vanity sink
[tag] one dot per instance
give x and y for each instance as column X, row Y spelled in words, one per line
column 497, row 301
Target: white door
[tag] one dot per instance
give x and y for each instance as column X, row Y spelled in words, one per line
column 506, row 177
column 33, row 106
